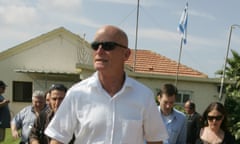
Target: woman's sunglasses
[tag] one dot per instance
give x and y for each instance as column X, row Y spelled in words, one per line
column 107, row 46
column 217, row 118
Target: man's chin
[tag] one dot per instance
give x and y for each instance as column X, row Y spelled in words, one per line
column 99, row 67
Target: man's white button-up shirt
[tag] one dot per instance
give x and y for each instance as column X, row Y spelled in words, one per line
column 88, row 111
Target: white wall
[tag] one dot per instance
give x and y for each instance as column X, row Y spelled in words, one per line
column 55, row 55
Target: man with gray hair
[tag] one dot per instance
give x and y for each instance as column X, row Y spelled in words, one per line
column 25, row 118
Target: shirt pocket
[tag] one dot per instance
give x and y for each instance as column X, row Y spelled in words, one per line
column 132, row 132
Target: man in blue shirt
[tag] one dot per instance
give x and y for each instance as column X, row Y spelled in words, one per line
column 174, row 120
column 24, row 120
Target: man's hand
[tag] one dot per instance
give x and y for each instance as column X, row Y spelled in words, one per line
column 15, row 134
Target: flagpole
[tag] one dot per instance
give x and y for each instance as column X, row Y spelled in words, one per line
column 182, row 28
column 136, row 39
column 179, row 59
column 225, row 63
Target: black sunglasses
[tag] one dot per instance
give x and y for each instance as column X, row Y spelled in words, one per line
column 217, row 118
column 107, row 46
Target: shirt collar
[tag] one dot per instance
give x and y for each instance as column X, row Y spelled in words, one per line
column 45, row 107
column 94, row 81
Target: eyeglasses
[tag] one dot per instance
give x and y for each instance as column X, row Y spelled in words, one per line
column 217, row 118
column 107, row 46
column 59, row 87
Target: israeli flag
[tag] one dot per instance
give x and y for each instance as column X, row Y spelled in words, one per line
column 182, row 27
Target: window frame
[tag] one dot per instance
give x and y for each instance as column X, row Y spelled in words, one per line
column 22, row 91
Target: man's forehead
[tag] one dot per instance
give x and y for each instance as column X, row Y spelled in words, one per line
column 111, row 33
column 38, row 98
column 168, row 98
column 57, row 96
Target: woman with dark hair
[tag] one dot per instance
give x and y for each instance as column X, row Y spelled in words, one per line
column 214, row 126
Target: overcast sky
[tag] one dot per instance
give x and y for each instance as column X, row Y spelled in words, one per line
column 208, row 26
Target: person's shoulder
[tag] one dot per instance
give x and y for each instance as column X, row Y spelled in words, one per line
column 81, row 89
column 79, row 86
column 197, row 115
column 229, row 137
column 46, row 110
column 27, row 108
column 46, row 113
column 23, row 112
column 83, row 83
column 80, row 83
column 179, row 114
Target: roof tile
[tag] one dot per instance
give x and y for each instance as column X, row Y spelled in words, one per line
column 151, row 62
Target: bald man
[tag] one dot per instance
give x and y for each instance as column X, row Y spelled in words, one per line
column 193, row 124
column 109, row 107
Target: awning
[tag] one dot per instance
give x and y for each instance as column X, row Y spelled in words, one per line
column 44, row 71
column 51, row 75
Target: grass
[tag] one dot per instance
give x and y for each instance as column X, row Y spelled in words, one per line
column 9, row 139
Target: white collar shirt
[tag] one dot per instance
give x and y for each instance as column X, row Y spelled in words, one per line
column 88, row 111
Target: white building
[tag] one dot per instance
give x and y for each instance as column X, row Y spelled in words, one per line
column 61, row 56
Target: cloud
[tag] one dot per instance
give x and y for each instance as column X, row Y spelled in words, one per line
column 130, row 2
column 159, row 34
column 84, row 21
column 13, row 37
column 202, row 14
column 17, row 15
column 169, row 36
column 59, row 5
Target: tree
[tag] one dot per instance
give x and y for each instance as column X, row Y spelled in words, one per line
column 232, row 101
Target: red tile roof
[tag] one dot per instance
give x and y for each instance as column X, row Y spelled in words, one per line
column 153, row 63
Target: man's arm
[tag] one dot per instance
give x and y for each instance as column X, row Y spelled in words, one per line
column 4, row 102
column 14, row 131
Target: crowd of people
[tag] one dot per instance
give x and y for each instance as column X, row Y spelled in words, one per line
column 111, row 108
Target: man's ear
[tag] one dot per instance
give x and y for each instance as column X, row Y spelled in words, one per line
column 127, row 54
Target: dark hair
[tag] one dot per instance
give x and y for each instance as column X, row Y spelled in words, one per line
column 169, row 90
column 2, row 84
column 192, row 105
column 220, row 108
column 59, row 87
column 46, row 93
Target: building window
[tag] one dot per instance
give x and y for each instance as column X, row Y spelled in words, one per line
column 22, row 91
column 183, row 96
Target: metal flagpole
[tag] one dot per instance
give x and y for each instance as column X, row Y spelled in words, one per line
column 182, row 28
column 179, row 59
column 225, row 63
column 136, row 38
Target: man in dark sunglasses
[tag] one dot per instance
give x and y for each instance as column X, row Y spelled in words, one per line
column 109, row 107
